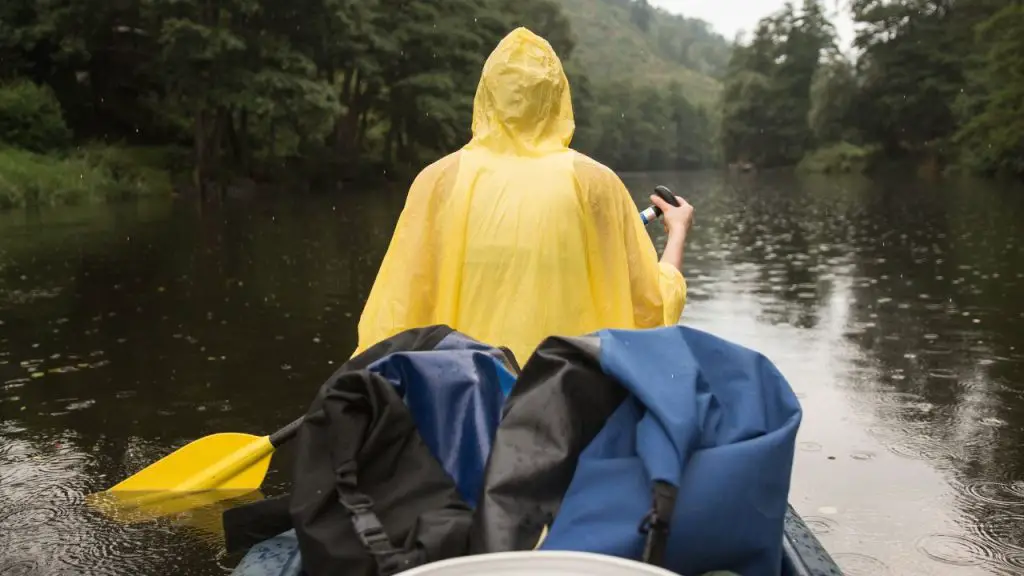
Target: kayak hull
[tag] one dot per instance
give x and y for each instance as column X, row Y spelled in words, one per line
column 803, row 554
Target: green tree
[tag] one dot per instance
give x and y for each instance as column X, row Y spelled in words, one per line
column 909, row 71
column 766, row 102
column 640, row 13
column 832, row 94
column 31, row 117
column 991, row 108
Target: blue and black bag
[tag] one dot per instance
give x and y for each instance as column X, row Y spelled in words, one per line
column 389, row 457
column 669, row 446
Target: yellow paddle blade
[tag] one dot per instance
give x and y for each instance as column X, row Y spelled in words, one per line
column 228, row 462
column 136, row 507
column 215, row 468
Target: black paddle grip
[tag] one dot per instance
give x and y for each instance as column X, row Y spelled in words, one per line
column 665, row 194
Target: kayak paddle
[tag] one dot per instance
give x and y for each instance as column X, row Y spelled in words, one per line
column 212, row 468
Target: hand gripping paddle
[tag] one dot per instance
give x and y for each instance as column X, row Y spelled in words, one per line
column 652, row 213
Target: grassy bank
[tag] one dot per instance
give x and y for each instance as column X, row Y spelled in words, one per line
column 841, row 158
column 86, row 175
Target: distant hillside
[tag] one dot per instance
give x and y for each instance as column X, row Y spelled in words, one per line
column 613, row 46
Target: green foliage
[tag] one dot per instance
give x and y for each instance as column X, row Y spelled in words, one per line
column 909, row 71
column 317, row 90
column 28, row 179
column 767, row 102
column 612, row 48
column 931, row 76
column 832, row 93
column 132, row 172
column 934, row 79
column 31, row 117
column 991, row 108
column 91, row 175
column 650, row 128
column 839, row 158
column 641, row 85
column 640, row 15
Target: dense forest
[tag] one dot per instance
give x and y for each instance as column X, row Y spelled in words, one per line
column 937, row 81
column 646, row 82
column 302, row 93
column 113, row 98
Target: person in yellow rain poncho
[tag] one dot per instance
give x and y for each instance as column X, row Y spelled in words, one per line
column 517, row 237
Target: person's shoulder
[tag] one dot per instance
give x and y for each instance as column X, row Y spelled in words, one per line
column 436, row 180
column 441, row 167
column 594, row 178
column 588, row 166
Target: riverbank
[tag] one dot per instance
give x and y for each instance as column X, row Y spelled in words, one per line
column 840, row 158
column 89, row 174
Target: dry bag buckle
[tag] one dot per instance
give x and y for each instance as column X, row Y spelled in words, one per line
column 371, row 532
column 368, row 527
column 365, row 522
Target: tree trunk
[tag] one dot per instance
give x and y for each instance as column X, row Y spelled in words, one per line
column 364, row 118
column 344, row 134
column 273, row 138
column 199, row 148
column 389, row 142
column 214, row 149
column 243, row 142
column 233, row 141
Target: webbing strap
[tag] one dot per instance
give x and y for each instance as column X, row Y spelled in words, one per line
column 371, row 533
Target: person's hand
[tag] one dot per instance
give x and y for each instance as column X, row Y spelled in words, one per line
column 676, row 219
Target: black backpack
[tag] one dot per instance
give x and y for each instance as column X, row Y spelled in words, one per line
column 368, row 497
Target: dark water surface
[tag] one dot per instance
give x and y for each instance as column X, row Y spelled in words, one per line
column 895, row 308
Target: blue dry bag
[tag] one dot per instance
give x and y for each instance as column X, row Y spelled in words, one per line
column 668, row 442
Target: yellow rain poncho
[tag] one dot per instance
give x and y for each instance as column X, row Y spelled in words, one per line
column 516, row 237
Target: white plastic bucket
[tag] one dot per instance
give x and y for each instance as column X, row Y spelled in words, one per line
column 538, row 563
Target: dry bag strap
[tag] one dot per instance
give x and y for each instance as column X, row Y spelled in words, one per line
column 368, row 527
column 656, row 524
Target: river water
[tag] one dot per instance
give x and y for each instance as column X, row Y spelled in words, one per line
column 893, row 307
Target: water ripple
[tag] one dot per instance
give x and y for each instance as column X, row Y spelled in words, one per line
column 820, row 524
column 28, row 517
column 18, row 567
column 110, row 556
column 922, row 449
column 46, row 527
column 1004, row 531
column 854, row 564
column 955, row 550
column 998, row 493
column 1014, row 560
